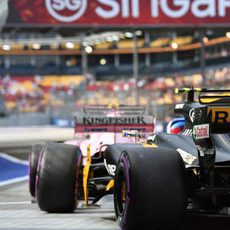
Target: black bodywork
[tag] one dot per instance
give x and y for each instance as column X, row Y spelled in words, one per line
column 101, row 172
column 208, row 176
column 194, row 167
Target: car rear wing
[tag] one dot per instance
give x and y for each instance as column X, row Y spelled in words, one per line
column 208, row 115
column 207, row 96
column 215, row 97
column 213, row 108
column 218, row 109
column 114, row 108
column 115, row 124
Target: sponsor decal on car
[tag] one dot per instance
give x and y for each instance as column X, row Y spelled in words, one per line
column 192, row 115
column 201, row 131
column 179, row 106
column 219, row 115
column 188, row 158
column 113, row 120
column 195, row 114
column 187, row 132
column 100, row 123
column 110, row 168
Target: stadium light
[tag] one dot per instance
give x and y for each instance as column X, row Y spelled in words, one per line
column 205, row 40
column 138, row 32
column 36, row 46
column 228, row 34
column 128, row 35
column 6, row 47
column 69, row 45
column 103, row 61
column 174, row 45
column 88, row 49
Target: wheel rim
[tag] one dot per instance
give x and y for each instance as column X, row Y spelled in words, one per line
column 121, row 193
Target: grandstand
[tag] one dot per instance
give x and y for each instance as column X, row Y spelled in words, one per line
column 58, row 59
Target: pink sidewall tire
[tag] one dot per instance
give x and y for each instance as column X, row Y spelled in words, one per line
column 32, row 168
column 150, row 189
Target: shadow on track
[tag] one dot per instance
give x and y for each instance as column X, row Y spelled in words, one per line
column 199, row 222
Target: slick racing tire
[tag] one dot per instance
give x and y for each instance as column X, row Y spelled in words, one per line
column 149, row 189
column 33, row 163
column 57, row 184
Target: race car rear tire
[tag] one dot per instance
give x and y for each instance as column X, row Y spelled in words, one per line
column 150, row 189
column 33, row 163
column 57, row 184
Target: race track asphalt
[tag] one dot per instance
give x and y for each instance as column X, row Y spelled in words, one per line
column 17, row 212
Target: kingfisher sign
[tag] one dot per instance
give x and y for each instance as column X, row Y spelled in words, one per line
column 124, row 12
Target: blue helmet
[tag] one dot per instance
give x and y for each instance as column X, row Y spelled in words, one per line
column 176, row 125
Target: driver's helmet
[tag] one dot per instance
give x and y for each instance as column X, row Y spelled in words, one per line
column 176, row 125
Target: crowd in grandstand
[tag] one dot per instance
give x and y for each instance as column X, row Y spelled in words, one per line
column 37, row 93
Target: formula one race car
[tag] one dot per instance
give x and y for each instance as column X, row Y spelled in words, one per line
column 155, row 185
column 62, row 174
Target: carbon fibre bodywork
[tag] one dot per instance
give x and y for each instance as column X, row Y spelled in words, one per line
column 204, row 146
column 186, row 143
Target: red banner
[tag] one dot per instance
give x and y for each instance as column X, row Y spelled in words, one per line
column 123, row 12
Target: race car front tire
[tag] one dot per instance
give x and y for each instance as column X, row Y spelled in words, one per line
column 150, row 189
column 33, row 163
column 57, row 184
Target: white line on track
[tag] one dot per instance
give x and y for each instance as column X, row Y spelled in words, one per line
column 15, row 202
column 12, row 181
column 13, row 159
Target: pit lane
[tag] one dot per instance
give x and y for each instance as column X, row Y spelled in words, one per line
column 18, row 212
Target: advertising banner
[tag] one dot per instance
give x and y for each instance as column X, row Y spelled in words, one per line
column 120, row 12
